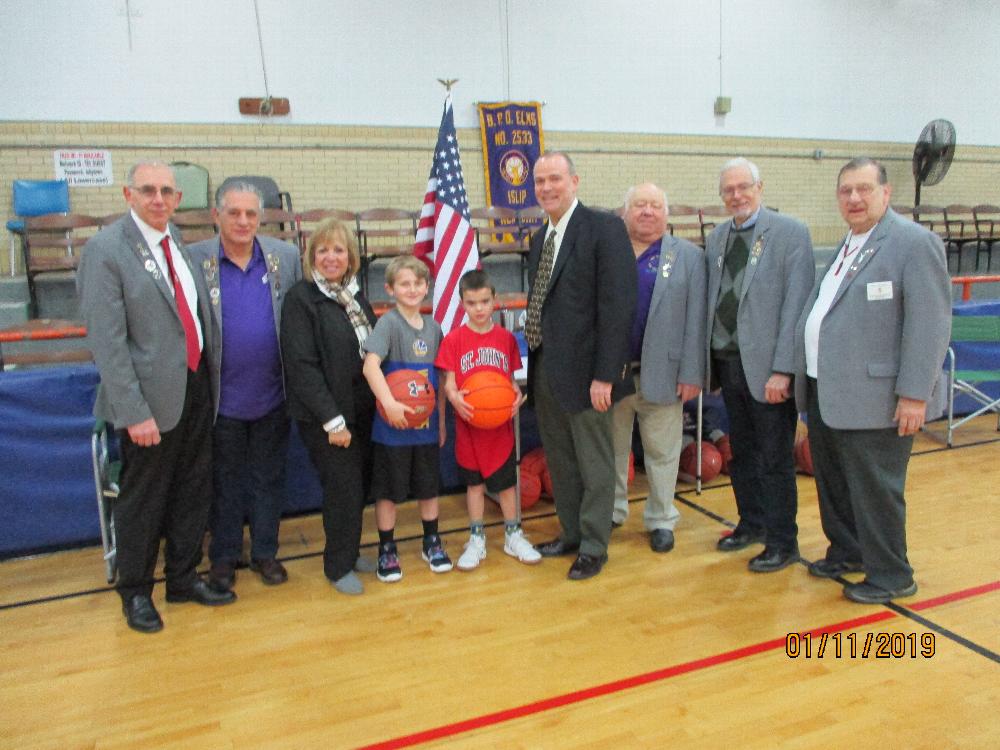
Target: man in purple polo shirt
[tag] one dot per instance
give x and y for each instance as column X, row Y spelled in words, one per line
column 668, row 358
column 247, row 277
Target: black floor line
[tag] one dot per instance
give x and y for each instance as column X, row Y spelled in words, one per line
column 303, row 556
column 941, row 630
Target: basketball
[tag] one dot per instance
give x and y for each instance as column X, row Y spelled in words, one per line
column 531, row 490
column 412, row 389
column 711, row 462
column 726, row 451
column 491, row 396
column 803, row 456
column 547, row 483
column 533, row 462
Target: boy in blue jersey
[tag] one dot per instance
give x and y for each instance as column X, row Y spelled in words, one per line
column 405, row 459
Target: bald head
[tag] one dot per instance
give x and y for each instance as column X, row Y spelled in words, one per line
column 645, row 215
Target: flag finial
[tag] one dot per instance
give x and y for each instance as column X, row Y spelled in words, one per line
column 447, row 83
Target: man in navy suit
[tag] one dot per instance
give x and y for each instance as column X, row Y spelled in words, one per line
column 580, row 307
column 871, row 341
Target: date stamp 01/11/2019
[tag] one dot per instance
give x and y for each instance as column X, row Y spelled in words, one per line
column 879, row 645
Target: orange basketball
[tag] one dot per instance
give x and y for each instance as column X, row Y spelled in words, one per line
column 491, row 396
column 531, row 490
column 711, row 462
column 533, row 462
column 803, row 456
column 726, row 451
column 412, row 389
column 631, row 467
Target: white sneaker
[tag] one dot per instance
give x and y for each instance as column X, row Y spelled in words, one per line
column 516, row 544
column 475, row 553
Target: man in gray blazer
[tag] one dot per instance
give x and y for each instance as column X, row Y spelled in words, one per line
column 871, row 342
column 668, row 358
column 247, row 276
column 154, row 342
column 760, row 271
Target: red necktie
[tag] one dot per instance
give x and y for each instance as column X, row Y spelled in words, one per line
column 183, row 311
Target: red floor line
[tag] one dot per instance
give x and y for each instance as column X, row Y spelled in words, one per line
column 954, row 596
column 578, row 696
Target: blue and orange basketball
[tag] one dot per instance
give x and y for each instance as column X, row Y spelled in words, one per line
column 492, row 398
column 411, row 388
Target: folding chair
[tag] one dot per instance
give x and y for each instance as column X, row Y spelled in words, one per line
column 107, row 467
column 972, row 329
column 35, row 198
column 192, row 181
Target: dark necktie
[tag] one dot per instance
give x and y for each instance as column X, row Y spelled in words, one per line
column 183, row 311
column 729, row 303
column 533, row 319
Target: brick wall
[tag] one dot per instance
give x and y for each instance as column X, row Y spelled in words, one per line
column 356, row 167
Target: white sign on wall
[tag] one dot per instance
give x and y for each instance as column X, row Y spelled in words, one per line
column 84, row 168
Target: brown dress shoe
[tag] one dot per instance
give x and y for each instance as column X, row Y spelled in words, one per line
column 586, row 566
column 222, row 575
column 271, row 571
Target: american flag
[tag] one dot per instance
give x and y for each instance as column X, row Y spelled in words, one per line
column 445, row 239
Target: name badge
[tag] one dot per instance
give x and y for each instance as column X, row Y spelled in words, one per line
column 879, row 290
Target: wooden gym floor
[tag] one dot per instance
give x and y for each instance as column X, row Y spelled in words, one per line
column 686, row 649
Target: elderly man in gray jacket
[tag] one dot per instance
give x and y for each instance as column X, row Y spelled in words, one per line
column 871, row 341
column 668, row 358
column 154, row 342
column 760, row 271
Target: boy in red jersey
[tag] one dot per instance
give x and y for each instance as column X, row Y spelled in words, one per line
column 485, row 458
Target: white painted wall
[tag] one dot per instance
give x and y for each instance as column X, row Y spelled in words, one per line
column 843, row 69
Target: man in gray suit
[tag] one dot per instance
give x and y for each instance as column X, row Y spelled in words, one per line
column 871, row 342
column 154, row 341
column 247, row 276
column 668, row 358
column 760, row 271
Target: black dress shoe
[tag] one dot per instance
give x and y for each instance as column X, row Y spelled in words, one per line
column 201, row 593
column 739, row 539
column 661, row 540
column 869, row 593
column 271, row 571
column 222, row 575
column 141, row 615
column 586, row 566
column 556, row 547
column 824, row 568
column 772, row 559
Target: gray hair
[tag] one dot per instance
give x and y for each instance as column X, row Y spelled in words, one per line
column 740, row 162
column 564, row 155
column 237, row 187
column 631, row 192
column 860, row 162
column 130, row 176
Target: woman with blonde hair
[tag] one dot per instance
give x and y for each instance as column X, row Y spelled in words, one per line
column 325, row 321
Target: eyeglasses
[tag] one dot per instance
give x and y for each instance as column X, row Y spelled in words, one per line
column 743, row 187
column 863, row 191
column 149, row 191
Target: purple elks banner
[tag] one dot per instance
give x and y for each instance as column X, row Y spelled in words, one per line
column 512, row 141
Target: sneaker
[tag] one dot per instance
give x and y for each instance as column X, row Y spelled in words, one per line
column 475, row 552
column 516, row 544
column 436, row 557
column 388, row 569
